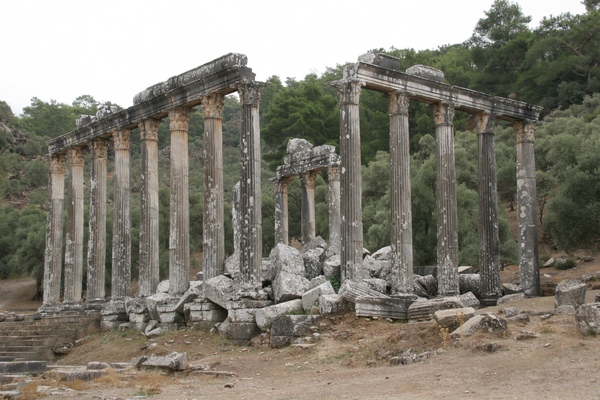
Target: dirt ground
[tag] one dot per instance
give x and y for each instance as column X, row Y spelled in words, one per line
column 350, row 360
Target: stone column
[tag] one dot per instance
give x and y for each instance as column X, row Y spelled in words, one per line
column 149, row 271
column 447, row 219
column 235, row 217
column 281, row 211
column 527, row 209
column 489, row 238
column 213, row 221
column 250, row 188
column 54, row 230
column 307, row 208
column 74, row 236
column 335, row 216
column 400, row 195
column 96, row 257
column 121, row 243
column 351, row 180
column 179, row 236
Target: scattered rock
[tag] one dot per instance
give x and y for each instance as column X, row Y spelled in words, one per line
column 527, row 335
column 570, row 292
column 453, row 318
column 587, row 319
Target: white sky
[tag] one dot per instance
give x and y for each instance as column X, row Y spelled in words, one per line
column 112, row 49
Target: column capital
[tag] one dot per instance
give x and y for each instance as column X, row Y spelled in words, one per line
column 349, row 90
column 525, row 131
column 212, row 106
column 99, row 147
column 485, row 123
column 308, row 179
column 333, row 173
column 57, row 163
column 179, row 118
column 76, row 156
column 443, row 113
column 121, row 139
column 399, row 102
column 149, row 129
column 250, row 92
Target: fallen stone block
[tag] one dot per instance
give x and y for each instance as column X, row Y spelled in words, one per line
column 466, row 269
column 313, row 262
column 426, row 286
column 23, row 367
column 383, row 254
column 587, row 319
column 510, row 298
column 315, row 243
column 487, row 322
column 238, row 331
column 331, row 267
column 294, row 325
column 153, row 301
column 469, row 283
column 453, row 318
column 310, row 298
column 316, row 281
column 70, row 375
column 469, row 300
column 264, row 316
column 287, row 259
column 511, row 288
column 565, row 309
column 379, row 285
column 221, row 290
column 570, row 292
column 288, row 286
column 163, row 287
column 350, row 291
column 97, row 365
column 332, row 304
column 195, row 290
column 174, row 361
column 395, row 307
column 423, row 309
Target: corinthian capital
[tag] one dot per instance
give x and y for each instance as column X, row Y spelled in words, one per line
column 443, row 113
column 179, row 118
column 57, row 164
column 399, row 102
column 76, row 155
column 349, row 90
column 525, row 131
column 149, row 129
column 99, row 148
column 121, row 139
column 212, row 106
column 249, row 92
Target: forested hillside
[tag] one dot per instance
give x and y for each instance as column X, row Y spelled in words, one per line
column 555, row 65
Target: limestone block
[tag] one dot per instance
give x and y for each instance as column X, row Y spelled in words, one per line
column 469, row 300
column 232, row 266
column 379, row 285
column 83, row 120
column 511, row 288
column 587, row 319
column 153, row 301
column 319, row 280
column 168, row 314
column 287, row 259
column 135, row 305
column 427, row 72
column 382, row 60
column 565, row 309
column 195, row 290
column 312, row 262
column 267, row 270
column 23, row 367
column 332, row 266
column 289, row 286
column 97, row 365
column 453, row 318
column 466, row 269
column 372, row 268
column 383, row 254
column 296, row 145
column 311, row 297
column 395, row 307
column 293, row 325
column 510, row 298
column 315, row 244
column 570, row 292
column 350, row 291
column 242, row 314
column 424, row 309
column 264, row 316
column 174, row 362
column 425, row 286
column 238, row 331
column 221, row 290
column 487, row 322
column 114, row 307
column 550, row 263
column 331, row 304
column 138, row 318
column 163, row 287
column 469, row 283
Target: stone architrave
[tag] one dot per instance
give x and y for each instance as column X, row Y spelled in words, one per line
column 400, row 195
column 489, row 239
column 335, row 216
column 74, row 236
column 213, row 221
column 350, row 180
column 527, row 209
column 250, row 189
column 308, row 206
column 96, row 256
column 148, row 275
column 179, row 235
column 121, row 243
column 54, row 231
column 281, row 211
column 447, row 218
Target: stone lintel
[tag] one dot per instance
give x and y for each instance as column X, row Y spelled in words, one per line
column 310, row 163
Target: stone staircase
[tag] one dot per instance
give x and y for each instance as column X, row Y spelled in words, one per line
column 36, row 336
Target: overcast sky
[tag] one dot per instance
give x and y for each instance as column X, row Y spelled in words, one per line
column 112, row 49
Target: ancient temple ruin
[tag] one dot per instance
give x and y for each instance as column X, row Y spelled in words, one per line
column 241, row 299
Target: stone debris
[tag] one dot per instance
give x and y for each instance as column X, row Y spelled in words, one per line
column 350, row 291
column 587, row 319
column 23, row 367
column 527, row 335
column 425, row 286
column 469, row 283
column 174, row 362
column 395, row 307
column 453, row 318
column 331, row 267
column 95, row 365
column 221, row 290
column 510, row 298
column 511, row 288
column 550, row 263
column 570, row 292
column 486, row 322
column 310, row 298
column 466, row 269
column 423, row 309
column 264, row 316
column 332, row 304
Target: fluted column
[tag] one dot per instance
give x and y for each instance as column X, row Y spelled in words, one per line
column 213, row 221
column 179, row 236
column 54, row 230
column 489, row 238
column 281, row 211
column 121, row 243
column 307, row 208
column 149, row 267
column 335, row 215
column 96, row 257
column 400, row 195
column 447, row 219
column 527, row 209
column 74, row 237
column 351, row 180
column 250, row 189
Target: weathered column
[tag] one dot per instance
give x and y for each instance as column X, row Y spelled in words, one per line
column 250, row 190
column 307, row 207
column 74, row 237
column 96, row 257
column 527, row 209
column 121, row 242
column 351, row 180
column 335, row 216
column 213, row 221
column 149, row 271
column 281, row 211
column 447, row 219
column 179, row 236
column 235, row 217
column 54, row 230
column 489, row 238
column 400, row 195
